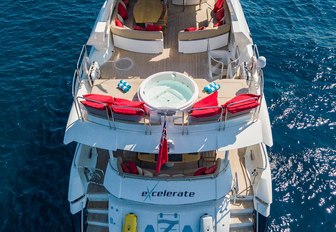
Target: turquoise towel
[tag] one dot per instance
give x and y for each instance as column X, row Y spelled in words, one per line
column 124, row 86
column 212, row 87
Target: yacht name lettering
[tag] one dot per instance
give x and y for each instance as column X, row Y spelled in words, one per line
column 168, row 194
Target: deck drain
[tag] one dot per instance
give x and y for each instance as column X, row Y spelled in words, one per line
column 123, row 64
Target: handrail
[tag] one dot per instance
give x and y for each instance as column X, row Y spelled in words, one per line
column 260, row 82
column 107, row 109
column 127, row 107
column 146, row 114
column 74, row 82
column 220, row 63
column 203, row 108
column 81, row 55
column 235, row 188
column 257, row 218
column 82, row 218
column 78, row 73
column 240, row 101
column 255, row 50
column 110, row 115
column 229, row 74
column 235, row 62
column 243, row 100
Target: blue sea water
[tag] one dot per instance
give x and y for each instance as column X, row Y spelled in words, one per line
column 40, row 42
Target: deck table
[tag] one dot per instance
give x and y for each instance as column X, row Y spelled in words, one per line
column 147, row 11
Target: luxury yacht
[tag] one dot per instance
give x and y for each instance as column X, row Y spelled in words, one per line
column 170, row 121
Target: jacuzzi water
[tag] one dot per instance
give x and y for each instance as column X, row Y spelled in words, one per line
column 168, row 90
column 169, row 93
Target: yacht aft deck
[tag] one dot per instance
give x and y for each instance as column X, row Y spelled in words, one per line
column 99, row 214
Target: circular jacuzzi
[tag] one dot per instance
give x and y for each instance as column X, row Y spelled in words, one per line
column 168, row 90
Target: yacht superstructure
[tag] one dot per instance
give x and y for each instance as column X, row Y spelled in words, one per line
column 170, row 121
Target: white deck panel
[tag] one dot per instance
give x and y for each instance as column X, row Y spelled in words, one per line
column 203, row 137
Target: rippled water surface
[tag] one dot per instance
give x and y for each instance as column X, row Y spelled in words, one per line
column 40, row 42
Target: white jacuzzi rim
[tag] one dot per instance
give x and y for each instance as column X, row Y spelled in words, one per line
column 184, row 107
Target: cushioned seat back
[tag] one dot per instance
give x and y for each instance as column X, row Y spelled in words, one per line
column 206, row 109
column 241, row 104
column 97, row 104
column 105, row 113
column 127, row 107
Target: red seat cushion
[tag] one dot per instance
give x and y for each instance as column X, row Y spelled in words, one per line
column 220, row 14
column 127, row 111
column 125, row 168
column 132, row 167
column 211, row 170
column 108, row 100
column 242, row 103
column 150, row 27
column 191, row 29
column 218, row 24
column 126, row 2
column 122, row 11
column 99, row 98
column 200, row 171
column 94, row 105
column 138, row 28
column 118, row 23
column 210, row 100
column 219, row 4
column 194, row 28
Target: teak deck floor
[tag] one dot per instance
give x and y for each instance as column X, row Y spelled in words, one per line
column 229, row 88
column 237, row 162
column 144, row 65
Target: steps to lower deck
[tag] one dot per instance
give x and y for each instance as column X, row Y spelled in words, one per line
column 97, row 209
column 97, row 193
column 97, row 217
column 242, row 214
column 93, row 228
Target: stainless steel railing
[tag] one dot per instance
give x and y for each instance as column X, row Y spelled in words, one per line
column 145, row 116
column 219, row 119
column 82, row 70
column 109, row 114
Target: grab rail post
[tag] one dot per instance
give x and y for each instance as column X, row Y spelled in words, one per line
column 257, row 218
column 128, row 107
column 182, row 122
column 82, row 218
column 105, row 105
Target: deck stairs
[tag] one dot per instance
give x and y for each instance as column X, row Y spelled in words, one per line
column 97, row 206
column 97, row 209
column 242, row 214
